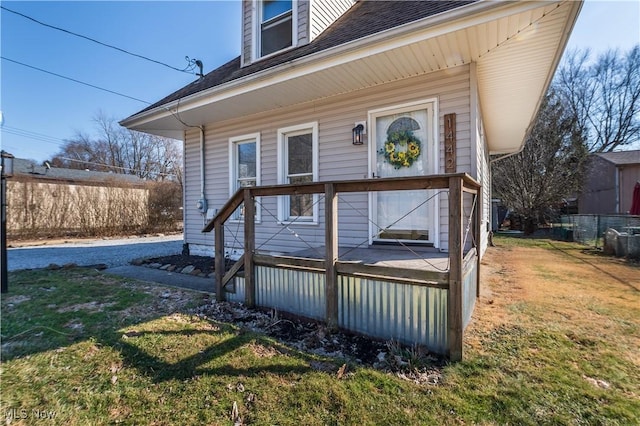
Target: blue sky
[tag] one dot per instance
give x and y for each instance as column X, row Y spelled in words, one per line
column 40, row 110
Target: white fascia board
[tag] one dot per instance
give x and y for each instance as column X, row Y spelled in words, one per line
column 413, row 32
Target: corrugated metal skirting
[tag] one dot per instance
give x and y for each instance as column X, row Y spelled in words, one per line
column 297, row 292
column 469, row 289
column 238, row 296
column 407, row 313
column 385, row 310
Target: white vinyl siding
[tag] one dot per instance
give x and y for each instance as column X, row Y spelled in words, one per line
column 324, row 13
column 247, row 32
column 194, row 221
column 481, row 172
column 303, row 22
column 338, row 158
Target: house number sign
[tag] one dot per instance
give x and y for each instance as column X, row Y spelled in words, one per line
column 450, row 143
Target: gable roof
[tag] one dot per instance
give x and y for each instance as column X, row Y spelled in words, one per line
column 364, row 18
column 620, row 158
column 513, row 48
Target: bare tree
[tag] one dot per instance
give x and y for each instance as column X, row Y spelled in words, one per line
column 603, row 96
column 550, row 167
column 119, row 150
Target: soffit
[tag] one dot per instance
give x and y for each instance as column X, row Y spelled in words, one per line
column 516, row 49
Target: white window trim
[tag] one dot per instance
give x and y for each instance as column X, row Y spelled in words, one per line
column 283, row 204
column 251, row 137
column 256, row 40
column 435, row 153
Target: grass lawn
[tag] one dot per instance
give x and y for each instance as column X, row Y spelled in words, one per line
column 555, row 340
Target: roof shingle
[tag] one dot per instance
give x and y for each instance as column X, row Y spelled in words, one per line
column 621, row 157
column 363, row 19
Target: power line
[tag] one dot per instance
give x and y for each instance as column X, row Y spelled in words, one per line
column 33, row 135
column 75, row 81
column 185, row 70
column 114, row 167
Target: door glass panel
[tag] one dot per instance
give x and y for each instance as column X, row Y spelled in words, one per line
column 247, row 160
column 300, row 151
column 301, row 205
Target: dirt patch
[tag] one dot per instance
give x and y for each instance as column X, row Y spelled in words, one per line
column 16, row 300
column 588, row 294
column 89, row 307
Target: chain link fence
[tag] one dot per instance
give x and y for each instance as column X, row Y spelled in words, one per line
column 615, row 234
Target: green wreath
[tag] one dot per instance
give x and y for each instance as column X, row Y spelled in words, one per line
column 401, row 149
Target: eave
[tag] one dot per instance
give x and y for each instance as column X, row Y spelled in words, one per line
column 516, row 46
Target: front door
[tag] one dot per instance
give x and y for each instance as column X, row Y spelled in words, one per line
column 404, row 146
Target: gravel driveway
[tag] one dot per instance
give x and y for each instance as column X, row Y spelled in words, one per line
column 112, row 252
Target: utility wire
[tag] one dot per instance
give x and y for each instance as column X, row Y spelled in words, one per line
column 114, row 167
column 76, row 81
column 185, row 70
column 33, row 135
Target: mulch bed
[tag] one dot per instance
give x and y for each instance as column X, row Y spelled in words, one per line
column 203, row 263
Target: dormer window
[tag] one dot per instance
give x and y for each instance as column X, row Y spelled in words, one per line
column 276, row 26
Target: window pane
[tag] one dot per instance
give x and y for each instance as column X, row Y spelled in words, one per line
column 246, row 183
column 300, row 149
column 247, row 160
column 301, row 205
column 276, row 36
column 272, row 8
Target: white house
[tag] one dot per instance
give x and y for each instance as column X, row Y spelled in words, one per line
column 428, row 87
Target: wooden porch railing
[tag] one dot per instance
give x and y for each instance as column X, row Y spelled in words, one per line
column 457, row 184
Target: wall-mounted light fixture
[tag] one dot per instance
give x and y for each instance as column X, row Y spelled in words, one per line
column 357, row 133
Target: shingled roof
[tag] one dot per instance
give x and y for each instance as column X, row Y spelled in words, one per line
column 24, row 167
column 363, row 19
column 620, row 158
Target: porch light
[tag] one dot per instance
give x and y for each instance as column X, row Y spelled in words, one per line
column 357, row 133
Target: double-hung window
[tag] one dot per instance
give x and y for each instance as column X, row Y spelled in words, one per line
column 244, row 166
column 276, row 26
column 298, row 163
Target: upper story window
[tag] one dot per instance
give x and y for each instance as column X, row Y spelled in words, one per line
column 276, row 26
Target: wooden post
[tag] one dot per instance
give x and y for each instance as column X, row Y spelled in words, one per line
column 478, row 236
column 249, row 248
column 331, row 255
column 218, row 229
column 454, row 298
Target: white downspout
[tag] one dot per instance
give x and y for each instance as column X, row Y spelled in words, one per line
column 202, row 162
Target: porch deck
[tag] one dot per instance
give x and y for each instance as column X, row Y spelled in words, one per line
column 393, row 256
column 416, row 296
